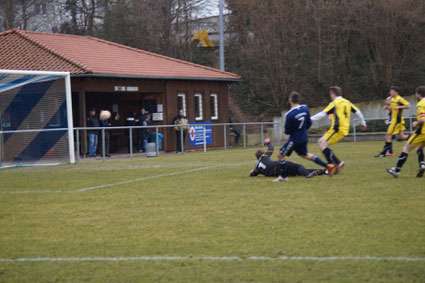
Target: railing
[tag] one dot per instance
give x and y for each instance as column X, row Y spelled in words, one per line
column 157, row 127
column 354, row 124
column 225, row 126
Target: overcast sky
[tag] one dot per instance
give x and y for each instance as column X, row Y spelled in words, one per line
column 212, row 9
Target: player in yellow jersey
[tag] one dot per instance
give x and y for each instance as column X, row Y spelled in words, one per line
column 417, row 140
column 396, row 124
column 341, row 109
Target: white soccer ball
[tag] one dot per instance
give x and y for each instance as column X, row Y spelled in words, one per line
column 105, row 115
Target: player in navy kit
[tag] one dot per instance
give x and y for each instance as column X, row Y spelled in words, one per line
column 297, row 122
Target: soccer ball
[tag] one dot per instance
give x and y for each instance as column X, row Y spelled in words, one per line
column 105, row 115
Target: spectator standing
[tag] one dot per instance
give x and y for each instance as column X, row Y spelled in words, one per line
column 106, row 123
column 180, row 119
column 235, row 131
column 92, row 122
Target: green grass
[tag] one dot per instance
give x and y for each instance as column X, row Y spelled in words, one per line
column 218, row 211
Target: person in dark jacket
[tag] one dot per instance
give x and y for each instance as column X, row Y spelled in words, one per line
column 270, row 168
column 235, row 131
column 92, row 121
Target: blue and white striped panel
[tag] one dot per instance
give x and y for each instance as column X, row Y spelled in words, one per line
column 37, row 105
column 8, row 82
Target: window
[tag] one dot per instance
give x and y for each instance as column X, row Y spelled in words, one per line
column 214, row 106
column 181, row 102
column 198, row 107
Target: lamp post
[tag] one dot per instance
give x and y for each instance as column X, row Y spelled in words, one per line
column 221, row 36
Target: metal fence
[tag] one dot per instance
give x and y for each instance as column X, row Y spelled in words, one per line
column 131, row 131
column 50, row 158
column 254, row 127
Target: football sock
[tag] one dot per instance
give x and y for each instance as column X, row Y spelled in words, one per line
column 282, row 168
column 420, row 153
column 327, row 153
column 400, row 161
column 387, row 147
column 318, row 161
column 335, row 159
column 390, row 148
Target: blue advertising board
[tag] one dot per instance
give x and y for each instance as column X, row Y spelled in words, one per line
column 196, row 134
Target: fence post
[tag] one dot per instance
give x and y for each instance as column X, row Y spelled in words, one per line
column 77, row 135
column 181, row 140
column 103, row 144
column 131, row 141
column 157, row 141
column 410, row 119
column 354, row 130
column 225, row 137
column 279, row 133
column 262, row 134
column 205, row 138
column 244, row 135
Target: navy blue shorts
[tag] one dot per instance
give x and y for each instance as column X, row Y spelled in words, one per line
column 290, row 146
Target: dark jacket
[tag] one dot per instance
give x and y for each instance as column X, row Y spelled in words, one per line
column 93, row 121
column 130, row 120
column 105, row 123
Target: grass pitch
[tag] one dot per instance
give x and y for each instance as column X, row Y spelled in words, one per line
column 205, row 204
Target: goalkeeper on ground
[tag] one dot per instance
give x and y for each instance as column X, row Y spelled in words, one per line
column 270, row 168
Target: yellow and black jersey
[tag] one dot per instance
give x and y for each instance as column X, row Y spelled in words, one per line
column 341, row 109
column 397, row 114
column 420, row 114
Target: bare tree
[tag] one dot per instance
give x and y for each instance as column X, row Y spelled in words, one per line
column 307, row 45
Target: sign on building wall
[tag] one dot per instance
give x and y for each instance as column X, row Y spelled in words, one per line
column 126, row 88
column 196, row 134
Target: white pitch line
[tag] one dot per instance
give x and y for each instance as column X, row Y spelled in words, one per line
column 215, row 258
column 110, row 185
column 141, row 179
column 122, row 182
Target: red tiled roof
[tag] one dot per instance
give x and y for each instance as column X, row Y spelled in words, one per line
column 27, row 50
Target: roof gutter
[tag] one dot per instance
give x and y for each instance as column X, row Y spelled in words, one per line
column 152, row 77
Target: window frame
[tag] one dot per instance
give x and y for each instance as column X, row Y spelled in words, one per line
column 214, row 106
column 199, row 103
column 183, row 96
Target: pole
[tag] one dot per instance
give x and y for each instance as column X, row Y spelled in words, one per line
column 103, row 144
column 279, row 134
column 225, row 137
column 181, row 140
column 70, row 120
column 262, row 135
column 205, row 138
column 221, row 36
column 244, row 135
column 77, row 134
column 410, row 119
column 131, row 141
column 354, row 130
column 1, row 139
column 157, row 141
